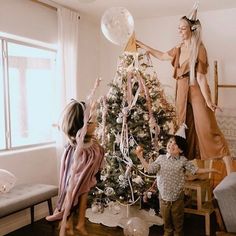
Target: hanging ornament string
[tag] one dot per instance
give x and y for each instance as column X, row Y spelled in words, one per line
column 124, row 142
column 129, row 204
column 148, row 59
column 124, row 147
column 129, row 89
column 154, row 128
column 133, row 73
column 149, row 176
column 104, row 113
column 128, row 102
column 131, row 189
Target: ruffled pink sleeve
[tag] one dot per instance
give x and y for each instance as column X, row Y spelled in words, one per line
column 202, row 61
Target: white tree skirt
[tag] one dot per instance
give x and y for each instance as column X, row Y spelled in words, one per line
column 110, row 219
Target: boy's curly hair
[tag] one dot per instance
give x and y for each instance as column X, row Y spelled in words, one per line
column 181, row 143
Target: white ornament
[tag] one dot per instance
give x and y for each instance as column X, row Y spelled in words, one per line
column 121, row 177
column 145, row 117
column 109, row 191
column 104, row 177
column 94, row 208
column 149, row 194
column 131, row 142
column 119, row 120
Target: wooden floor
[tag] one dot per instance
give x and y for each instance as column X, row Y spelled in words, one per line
column 194, row 226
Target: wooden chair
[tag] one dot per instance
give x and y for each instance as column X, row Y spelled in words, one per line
column 202, row 205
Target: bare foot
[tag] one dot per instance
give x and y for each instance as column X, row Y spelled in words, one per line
column 82, row 230
column 55, row 216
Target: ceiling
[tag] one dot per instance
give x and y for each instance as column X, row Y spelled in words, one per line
column 144, row 8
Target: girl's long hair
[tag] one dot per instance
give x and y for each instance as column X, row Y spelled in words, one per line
column 73, row 120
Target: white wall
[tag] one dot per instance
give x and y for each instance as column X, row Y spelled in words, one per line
column 36, row 165
column 109, row 55
column 88, row 62
column 219, row 36
column 28, row 19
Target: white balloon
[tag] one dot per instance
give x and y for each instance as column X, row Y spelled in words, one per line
column 117, row 25
column 7, row 181
column 135, row 226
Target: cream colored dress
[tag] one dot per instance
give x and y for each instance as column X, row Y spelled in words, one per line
column 205, row 140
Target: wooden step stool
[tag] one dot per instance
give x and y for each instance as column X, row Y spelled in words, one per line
column 203, row 202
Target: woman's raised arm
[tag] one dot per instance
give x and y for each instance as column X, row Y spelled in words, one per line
column 163, row 56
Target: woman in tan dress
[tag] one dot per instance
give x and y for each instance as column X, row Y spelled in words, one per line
column 194, row 105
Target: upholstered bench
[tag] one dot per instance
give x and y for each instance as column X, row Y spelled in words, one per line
column 26, row 196
column 225, row 194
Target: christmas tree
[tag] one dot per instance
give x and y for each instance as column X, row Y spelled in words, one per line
column 134, row 112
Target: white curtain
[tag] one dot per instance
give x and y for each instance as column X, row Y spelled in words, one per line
column 68, row 23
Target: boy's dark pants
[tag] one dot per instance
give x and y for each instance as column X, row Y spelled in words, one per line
column 173, row 216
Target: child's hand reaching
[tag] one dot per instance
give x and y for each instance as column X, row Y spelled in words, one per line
column 139, row 153
column 216, row 171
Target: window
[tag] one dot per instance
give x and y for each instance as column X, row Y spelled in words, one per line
column 27, row 89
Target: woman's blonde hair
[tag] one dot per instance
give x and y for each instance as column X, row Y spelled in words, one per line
column 196, row 39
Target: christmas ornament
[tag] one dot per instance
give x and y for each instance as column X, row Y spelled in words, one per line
column 119, row 120
column 97, row 207
column 94, row 208
column 109, row 191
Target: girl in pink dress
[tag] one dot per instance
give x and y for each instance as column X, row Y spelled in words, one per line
column 81, row 161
